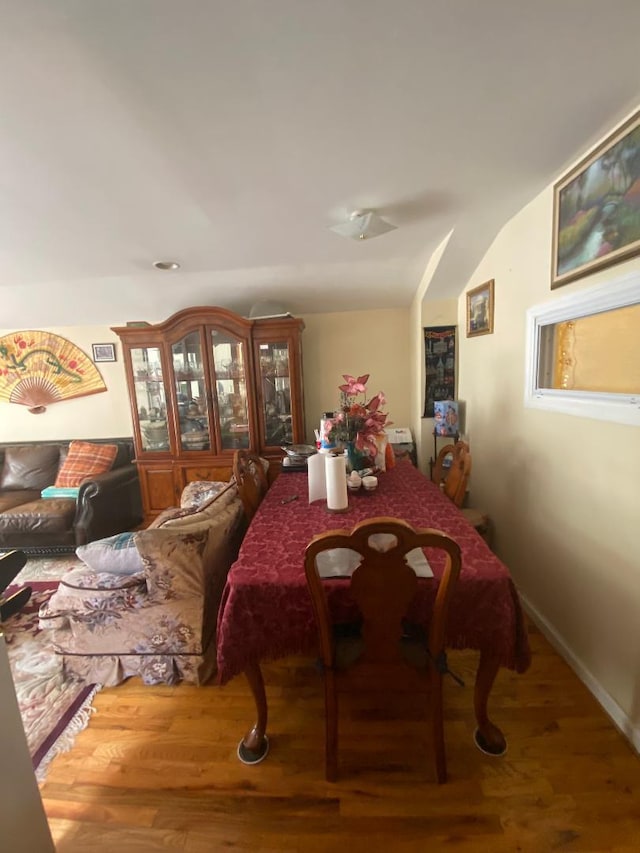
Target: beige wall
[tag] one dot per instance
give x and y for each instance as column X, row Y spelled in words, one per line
column 564, row 491
column 374, row 342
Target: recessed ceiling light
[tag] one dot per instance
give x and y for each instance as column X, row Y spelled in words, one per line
column 166, row 265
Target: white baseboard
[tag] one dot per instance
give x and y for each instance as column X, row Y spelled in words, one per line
column 618, row 716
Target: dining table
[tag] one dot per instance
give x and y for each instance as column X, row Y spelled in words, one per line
column 266, row 611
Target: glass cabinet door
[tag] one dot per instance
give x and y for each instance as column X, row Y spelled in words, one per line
column 274, row 368
column 229, row 364
column 191, row 392
column 151, row 402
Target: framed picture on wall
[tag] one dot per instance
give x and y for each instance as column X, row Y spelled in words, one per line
column 440, row 366
column 596, row 208
column 104, row 352
column 480, row 310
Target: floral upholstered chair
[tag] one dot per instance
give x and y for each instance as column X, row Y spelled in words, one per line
column 146, row 603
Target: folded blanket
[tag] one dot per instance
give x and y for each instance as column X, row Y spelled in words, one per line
column 60, row 492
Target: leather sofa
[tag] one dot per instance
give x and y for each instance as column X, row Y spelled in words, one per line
column 106, row 503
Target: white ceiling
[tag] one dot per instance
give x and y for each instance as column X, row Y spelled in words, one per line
column 229, row 134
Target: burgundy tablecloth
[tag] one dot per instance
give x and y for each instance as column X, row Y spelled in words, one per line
column 266, row 610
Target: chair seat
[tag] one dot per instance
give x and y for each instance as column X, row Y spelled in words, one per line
column 479, row 520
column 348, row 651
column 53, row 515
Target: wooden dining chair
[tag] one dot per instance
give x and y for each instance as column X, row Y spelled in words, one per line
column 383, row 652
column 453, row 479
column 251, row 480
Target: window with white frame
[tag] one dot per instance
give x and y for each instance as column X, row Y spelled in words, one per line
column 583, row 352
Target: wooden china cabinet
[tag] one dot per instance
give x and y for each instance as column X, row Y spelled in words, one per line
column 203, row 384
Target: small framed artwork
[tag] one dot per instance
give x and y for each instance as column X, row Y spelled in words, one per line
column 596, row 213
column 104, row 352
column 480, row 310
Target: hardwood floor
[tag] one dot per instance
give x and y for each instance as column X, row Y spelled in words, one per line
column 156, row 770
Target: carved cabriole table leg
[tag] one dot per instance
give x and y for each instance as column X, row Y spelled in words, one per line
column 254, row 746
column 488, row 736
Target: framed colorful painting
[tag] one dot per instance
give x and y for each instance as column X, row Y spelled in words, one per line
column 596, row 208
column 480, row 310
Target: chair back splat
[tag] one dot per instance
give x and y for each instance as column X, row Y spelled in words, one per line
column 251, row 480
column 386, row 647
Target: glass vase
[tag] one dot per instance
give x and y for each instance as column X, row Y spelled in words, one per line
column 356, row 459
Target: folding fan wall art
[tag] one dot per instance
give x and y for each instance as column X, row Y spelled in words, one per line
column 38, row 368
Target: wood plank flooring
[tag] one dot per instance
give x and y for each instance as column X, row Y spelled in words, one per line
column 156, row 770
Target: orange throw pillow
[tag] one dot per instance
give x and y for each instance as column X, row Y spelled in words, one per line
column 83, row 461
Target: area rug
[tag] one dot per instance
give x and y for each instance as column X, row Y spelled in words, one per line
column 47, row 568
column 53, row 710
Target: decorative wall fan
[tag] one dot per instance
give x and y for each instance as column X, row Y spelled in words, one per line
column 38, row 368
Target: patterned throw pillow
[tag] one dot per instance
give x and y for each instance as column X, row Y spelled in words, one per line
column 116, row 555
column 85, row 460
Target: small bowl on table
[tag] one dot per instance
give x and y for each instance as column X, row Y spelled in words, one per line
column 369, row 483
column 354, row 481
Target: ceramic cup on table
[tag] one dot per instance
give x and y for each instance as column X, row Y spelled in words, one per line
column 370, row 483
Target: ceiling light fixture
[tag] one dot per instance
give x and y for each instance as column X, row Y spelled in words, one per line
column 363, row 225
column 166, row 265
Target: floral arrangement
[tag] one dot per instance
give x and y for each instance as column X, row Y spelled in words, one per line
column 358, row 421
